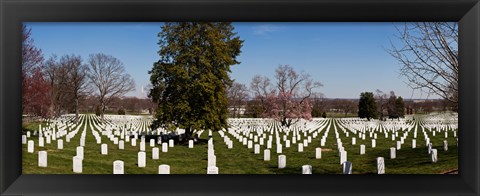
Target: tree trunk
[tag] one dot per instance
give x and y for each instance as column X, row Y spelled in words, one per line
column 76, row 110
column 102, row 111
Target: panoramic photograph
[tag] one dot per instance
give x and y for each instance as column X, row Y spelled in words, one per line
column 240, row 98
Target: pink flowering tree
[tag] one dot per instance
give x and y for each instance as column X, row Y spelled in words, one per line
column 289, row 101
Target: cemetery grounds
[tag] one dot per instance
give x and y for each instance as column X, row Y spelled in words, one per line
column 241, row 148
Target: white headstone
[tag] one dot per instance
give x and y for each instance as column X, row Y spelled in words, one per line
column 434, row 155
column 257, row 149
column 300, row 147
column 42, row 158
column 142, row 159
column 163, row 169
column 41, row 141
column 399, row 145
column 104, row 149
column 170, row 143
column 155, row 153
column 28, row 133
column 118, row 167
column 266, row 155
column 134, row 142
column 279, row 148
column 212, row 170
column 306, row 169
column 77, row 164
column 354, row 140
column 445, row 145
column 152, row 142
column 250, row 144
column 80, row 152
column 211, row 152
column 282, row 161
column 30, row 147
column 60, row 144
column 414, row 143
column 318, row 153
column 393, row 153
column 343, row 156
column 121, row 145
column 429, row 145
column 24, row 139
column 362, row 149
column 164, row 147
column 212, row 160
column 374, row 143
column 380, row 165
column 347, row 167
column 142, row 145
column 190, row 143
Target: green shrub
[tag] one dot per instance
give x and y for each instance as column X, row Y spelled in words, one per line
column 324, row 115
column 121, row 111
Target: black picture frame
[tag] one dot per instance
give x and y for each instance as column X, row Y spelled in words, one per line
column 14, row 12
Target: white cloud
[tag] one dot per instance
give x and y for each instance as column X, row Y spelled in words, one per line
column 265, row 29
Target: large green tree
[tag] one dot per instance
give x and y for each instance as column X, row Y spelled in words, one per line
column 395, row 106
column 367, row 108
column 400, row 105
column 189, row 81
column 392, row 106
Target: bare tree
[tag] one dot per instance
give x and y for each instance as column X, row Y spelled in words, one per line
column 261, row 88
column 318, row 104
column 57, row 77
column 32, row 64
column 237, row 96
column 345, row 106
column 32, row 56
column 429, row 57
column 108, row 76
column 67, row 77
column 381, row 99
column 77, row 81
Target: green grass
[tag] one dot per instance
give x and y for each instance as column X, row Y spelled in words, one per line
column 241, row 160
column 341, row 115
column 32, row 126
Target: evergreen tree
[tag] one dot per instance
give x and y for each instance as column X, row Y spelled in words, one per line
column 400, row 105
column 189, row 81
column 392, row 106
column 367, row 108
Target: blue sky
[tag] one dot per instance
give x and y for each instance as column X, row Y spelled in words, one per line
column 347, row 58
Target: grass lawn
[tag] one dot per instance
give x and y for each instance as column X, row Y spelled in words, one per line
column 241, row 160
